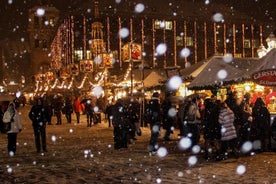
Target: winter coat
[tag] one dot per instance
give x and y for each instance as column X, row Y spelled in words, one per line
column 226, row 119
column 211, row 125
column 77, row 105
column 39, row 115
column 154, row 109
column 16, row 125
column 261, row 117
column 167, row 118
column 119, row 115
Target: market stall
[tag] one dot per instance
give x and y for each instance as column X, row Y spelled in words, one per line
column 217, row 72
column 265, row 74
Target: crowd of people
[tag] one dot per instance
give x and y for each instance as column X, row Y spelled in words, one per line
column 229, row 128
column 225, row 126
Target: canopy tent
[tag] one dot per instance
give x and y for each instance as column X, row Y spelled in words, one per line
column 217, row 72
column 154, row 78
column 265, row 71
column 192, row 71
column 151, row 77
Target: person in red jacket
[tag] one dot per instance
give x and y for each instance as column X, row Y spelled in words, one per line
column 77, row 108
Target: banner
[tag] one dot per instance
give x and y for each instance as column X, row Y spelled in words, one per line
column 86, row 65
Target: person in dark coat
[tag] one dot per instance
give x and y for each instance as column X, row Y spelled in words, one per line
column 108, row 112
column 89, row 111
column 168, row 119
column 57, row 106
column 39, row 116
column 246, row 121
column 133, row 110
column 120, row 125
column 260, row 130
column 68, row 109
column 154, row 121
column 211, row 129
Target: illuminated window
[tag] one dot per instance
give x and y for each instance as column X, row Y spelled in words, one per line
column 190, row 41
column 168, row 25
column 179, row 41
column 52, row 21
column 247, row 43
column 78, row 55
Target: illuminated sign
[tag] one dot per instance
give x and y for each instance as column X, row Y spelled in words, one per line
column 132, row 51
column 265, row 77
column 86, row 65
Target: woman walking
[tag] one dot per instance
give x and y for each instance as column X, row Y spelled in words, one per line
column 11, row 115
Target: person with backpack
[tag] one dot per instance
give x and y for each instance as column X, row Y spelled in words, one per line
column 12, row 116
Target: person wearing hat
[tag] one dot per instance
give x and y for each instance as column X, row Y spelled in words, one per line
column 11, row 115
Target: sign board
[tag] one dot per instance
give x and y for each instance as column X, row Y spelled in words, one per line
column 265, row 77
column 86, row 65
column 132, row 51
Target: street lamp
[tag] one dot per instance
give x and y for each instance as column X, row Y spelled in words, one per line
column 271, row 43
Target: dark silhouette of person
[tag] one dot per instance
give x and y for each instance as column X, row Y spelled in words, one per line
column 120, row 125
column 39, row 116
column 154, row 109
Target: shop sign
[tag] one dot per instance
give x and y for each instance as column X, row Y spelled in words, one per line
column 86, row 65
column 265, row 77
column 132, row 52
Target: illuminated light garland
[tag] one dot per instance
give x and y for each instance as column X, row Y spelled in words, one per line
column 55, row 84
column 40, row 88
column 46, row 88
column 61, row 85
column 82, row 82
column 36, row 86
column 71, row 83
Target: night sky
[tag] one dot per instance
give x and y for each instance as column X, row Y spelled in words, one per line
column 13, row 13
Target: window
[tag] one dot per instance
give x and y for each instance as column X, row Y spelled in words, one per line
column 52, row 21
column 179, row 41
column 190, row 41
column 168, row 25
column 247, row 43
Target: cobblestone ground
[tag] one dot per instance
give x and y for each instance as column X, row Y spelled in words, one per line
column 78, row 154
